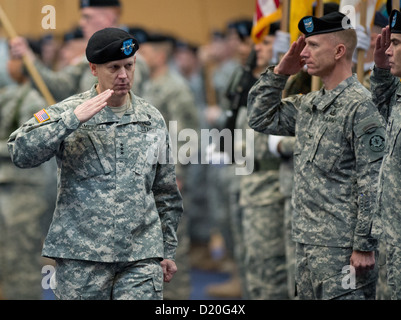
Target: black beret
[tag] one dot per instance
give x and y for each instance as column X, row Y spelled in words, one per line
column 139, row 34
column 331, row 22
column 99, row 3
column 380, row 20
column 73, row 34
column 242, row 27
column 110, row 44
column 395, row 21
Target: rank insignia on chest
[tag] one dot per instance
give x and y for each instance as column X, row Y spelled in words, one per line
column 42, row 116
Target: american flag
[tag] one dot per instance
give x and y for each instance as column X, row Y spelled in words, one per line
column 42, row 116
column 266, row 12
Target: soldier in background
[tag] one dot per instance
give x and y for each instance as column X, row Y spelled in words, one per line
column 332, row 216
column 76, row 78
column 262, row 204
column 385, row 86
column 228, row 214
column 187, row 63
column 170, row 94
column 27, row 197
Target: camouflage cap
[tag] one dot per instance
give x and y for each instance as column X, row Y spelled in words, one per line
column 331, row 22
column 110, row 44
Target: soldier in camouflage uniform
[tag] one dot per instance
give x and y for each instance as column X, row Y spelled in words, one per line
column 171, row 95
column 385, row 84
column 262, row 206
column 25, row 196
column 338, row 151
column 113, row 233
column 77, row 78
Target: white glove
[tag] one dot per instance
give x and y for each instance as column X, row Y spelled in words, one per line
column 363, row 42
column 281, row 45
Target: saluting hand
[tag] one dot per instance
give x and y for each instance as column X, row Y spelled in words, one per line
column 382, row 44
column 88, row 109
column 292, row 62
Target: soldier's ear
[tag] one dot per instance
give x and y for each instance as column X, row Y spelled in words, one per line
column 93, row 67
column 340, row 51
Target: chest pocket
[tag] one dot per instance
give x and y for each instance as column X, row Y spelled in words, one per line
column 145, row 145
column 85, row 155
column 327, row 147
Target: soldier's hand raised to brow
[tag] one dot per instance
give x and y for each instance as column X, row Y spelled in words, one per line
column 292, row 62
column 382, row 44
column 88, row 109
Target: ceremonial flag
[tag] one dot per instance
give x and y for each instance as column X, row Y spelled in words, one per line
column 266, row 12
column 298, row 10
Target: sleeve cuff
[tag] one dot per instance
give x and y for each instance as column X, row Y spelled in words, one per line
column 169, row 251
column 381, row 72
column 70, row 120
column 364, row 243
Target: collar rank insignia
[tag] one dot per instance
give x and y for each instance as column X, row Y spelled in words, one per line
column 128, row 47
column 42, row 116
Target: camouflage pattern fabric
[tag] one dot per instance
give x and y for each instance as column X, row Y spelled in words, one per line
column 318, row 275
column 262, row 222
column 141, row 280
column 340, row 142
column 172, row 96
column 386, row 91
column 117, row 195
column 27, row 198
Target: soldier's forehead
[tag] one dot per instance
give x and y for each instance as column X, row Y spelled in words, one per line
column 121, row 62
column 396, row 36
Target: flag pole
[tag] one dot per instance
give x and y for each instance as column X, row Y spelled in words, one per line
column 318, row 14
column 284, row 27
column 361, row 53
column 28, row 63
column 284, row 21
column 396, row 4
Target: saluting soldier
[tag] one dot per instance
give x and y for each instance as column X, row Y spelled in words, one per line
column 340, row 140
column 113, row 233
column 385, row 86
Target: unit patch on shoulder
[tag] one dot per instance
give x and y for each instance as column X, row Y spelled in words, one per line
column 377, row 143
column 42, row 116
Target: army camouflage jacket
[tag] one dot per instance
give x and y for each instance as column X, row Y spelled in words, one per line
column 337, row 156
column 115, row 202
column 386, row 92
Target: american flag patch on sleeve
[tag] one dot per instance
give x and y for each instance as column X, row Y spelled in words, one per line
column 42, row 116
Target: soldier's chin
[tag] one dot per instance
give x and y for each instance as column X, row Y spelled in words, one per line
column 121, row 91
column 395, row 71
column 311, row 71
